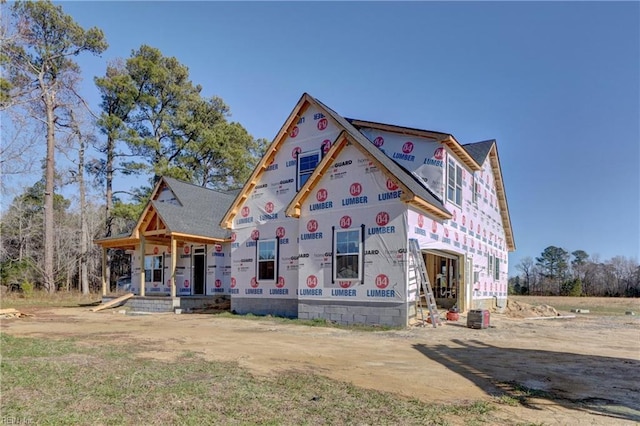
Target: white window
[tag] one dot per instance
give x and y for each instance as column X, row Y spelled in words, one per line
column 476, row 190
column 454, row 183
column 347, row 257
column 267, row 257
column 493, row 267
column 153, row 269
column 307, row 162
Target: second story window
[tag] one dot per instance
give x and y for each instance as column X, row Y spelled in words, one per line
column 475, row 190
column 454, row 183
column 307, row 162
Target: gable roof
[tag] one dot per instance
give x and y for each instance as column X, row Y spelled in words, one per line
column 443, row 138
column 266, row 159
column 414, row 191
column 199, row 212
column 473, row 156
column 196, row 216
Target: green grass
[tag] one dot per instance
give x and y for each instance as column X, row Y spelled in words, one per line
column 517, row 394
column 39, row 298
column 595, row 305
column 58, row 382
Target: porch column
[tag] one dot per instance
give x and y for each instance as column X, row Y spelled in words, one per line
column 104, row 271
column 174, row 262
column 142, row 277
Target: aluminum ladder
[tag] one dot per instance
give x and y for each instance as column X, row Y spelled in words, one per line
column 421, row 273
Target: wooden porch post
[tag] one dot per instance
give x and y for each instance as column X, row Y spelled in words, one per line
column 174, row 262
column 104, row 271
column 142, row 274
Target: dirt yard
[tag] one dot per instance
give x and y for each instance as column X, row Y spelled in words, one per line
column 582, row 370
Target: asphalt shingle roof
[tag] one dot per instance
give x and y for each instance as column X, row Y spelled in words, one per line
column 200, row 212
column 479, row 150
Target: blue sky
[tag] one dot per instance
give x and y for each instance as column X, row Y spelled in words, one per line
column 556, row 84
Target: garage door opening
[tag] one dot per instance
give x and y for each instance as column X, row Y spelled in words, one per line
column 444, row 275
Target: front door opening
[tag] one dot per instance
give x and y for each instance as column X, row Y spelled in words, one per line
column 199, row 271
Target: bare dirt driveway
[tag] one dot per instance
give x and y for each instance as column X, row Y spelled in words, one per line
column 584, row 370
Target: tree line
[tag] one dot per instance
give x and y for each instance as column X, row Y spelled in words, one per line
column 152, row 121
column 556, row 272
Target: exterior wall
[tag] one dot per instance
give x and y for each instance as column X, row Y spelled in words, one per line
column 184, row 277
column 422, row 156
column 354, row 194
column 262, row 216
column 487, row 219
column 475, row 231
column 154, row 287
column 217, row 270
column 135, row 271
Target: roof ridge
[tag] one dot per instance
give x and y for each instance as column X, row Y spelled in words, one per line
column 479, row 142
column 351, row 120
column 197, row 186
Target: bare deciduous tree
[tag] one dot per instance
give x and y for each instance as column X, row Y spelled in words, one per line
column 40, row 42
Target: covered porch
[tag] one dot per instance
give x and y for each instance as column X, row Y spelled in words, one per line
column 165, row 263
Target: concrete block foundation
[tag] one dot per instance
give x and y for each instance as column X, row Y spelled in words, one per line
column 493, row 304
column 166, row 303
column 349, row 313
column 287, row 308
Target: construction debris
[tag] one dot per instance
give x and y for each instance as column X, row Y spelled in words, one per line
column 517, row 309
column 12, row 313
column 113, row 302
column 220, row 304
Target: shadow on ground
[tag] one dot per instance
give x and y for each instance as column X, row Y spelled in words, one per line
column 599, row 385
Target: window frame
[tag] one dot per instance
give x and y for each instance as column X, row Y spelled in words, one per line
column 454, row 182
column 359, row 253
column 306, row 173
column 475, row 190
column 493, row 267
column 276, row 242
column 150, row 273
